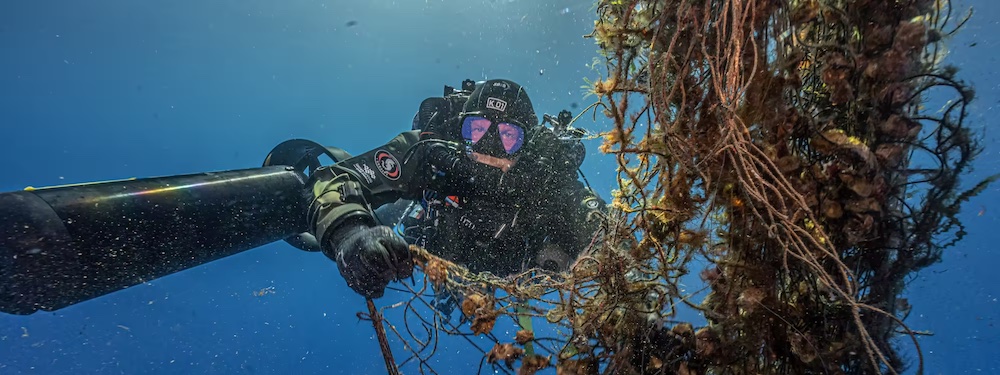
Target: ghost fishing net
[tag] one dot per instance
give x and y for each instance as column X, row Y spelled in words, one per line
column 793, row 154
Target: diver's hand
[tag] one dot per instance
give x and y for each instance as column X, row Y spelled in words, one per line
column 448, row 159
column 451, row 170
column 370, row 257
column 468, row 178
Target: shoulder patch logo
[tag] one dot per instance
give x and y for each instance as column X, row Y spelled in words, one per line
column 496, row 104
column 387, row 164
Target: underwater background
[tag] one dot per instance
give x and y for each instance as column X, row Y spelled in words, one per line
column 103, row 89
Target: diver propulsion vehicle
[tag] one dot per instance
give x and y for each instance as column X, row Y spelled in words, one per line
column 66, row 244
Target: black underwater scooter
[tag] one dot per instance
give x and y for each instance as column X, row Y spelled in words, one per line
column 66, row 244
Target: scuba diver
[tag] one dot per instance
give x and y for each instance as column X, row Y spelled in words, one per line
column 478, row 181
column 499, row 194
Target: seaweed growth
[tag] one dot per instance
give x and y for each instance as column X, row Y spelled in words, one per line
column 783, row 149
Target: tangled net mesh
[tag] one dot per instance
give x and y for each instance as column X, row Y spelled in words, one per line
column 786, row 151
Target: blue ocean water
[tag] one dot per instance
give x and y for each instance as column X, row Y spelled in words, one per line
column 109, row 89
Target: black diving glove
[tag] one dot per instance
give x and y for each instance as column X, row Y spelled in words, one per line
column 369, row 257
column 448, row 158
column 463, row 176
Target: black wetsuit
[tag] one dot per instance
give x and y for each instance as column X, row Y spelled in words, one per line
column 537, row 214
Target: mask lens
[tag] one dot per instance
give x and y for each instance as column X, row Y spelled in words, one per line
column 473, row 128
column 512, row 136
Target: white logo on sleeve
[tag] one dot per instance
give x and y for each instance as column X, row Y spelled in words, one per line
column 365, row 171
column 496, row 104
